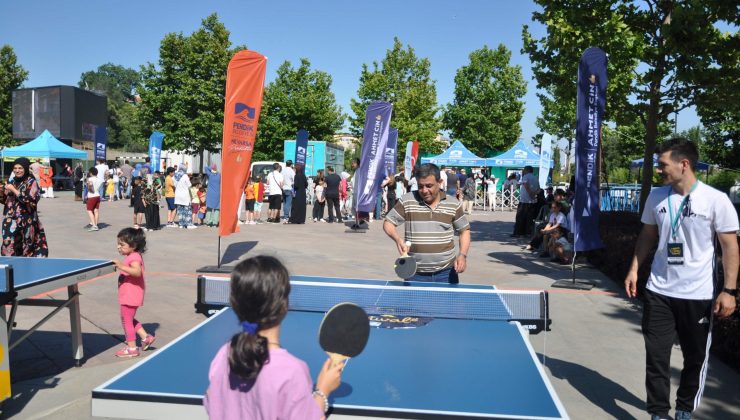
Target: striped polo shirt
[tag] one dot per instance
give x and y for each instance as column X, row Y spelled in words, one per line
column 431, row 231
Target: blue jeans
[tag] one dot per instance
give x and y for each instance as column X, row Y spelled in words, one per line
column 378, row 205
column 448, row 275
column 287, row 202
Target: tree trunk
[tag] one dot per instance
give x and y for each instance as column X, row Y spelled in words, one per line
column 651, row 133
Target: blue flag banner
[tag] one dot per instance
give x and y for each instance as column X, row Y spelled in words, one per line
column 390, row 152
column 301, row 145
column 591, row 101
column 155, row 149
column 372, row 160
column 101, row 142
column 545, row 156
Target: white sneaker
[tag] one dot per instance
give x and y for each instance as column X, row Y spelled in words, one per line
column 323, row 220
column 192, row 227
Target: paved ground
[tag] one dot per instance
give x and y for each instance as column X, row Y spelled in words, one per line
column 595, row 355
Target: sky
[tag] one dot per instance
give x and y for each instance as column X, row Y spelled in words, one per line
column 57, row 41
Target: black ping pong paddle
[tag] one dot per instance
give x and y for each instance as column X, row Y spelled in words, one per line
column 344, row 332
column 405, row 265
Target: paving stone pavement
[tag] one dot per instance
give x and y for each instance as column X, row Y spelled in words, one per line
column 594, row 354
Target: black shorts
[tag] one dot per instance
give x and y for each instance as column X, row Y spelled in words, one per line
column 250, row 204
column 275, row 201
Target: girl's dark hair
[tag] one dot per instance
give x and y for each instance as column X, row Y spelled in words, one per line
column 135, row 238
column 259, row 294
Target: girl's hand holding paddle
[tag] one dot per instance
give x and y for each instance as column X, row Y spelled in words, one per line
column 329, row 377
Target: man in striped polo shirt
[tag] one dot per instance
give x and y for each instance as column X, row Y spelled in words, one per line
column 431, row 219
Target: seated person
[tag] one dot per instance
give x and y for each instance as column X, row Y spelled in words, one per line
column 555, row 220
column 560, row 248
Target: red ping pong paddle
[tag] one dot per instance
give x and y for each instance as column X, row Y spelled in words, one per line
column 405, row 265
column 343, row 332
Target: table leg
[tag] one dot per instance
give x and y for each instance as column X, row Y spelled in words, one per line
column 4, row 358
column 74, row 322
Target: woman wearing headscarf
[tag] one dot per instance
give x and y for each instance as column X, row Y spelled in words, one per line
column 183, row 199
column 23, row 235
column 298, row 209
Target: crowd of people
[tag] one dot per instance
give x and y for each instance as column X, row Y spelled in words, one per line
column 190, row 201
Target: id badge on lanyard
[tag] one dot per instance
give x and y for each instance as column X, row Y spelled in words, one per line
column 674, row 248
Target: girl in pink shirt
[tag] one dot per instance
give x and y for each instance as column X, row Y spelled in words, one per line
column 252, row 377
column 131, row 244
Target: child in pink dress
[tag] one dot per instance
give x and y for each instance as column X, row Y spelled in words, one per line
column 131, row 244
column 252, row 377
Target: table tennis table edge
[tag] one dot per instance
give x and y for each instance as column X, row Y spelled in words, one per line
column 541, row 370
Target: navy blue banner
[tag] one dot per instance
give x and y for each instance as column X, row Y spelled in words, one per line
column 101, row 141
column 301, row 145
column 391, row 149
column 591, row 101
column 372, row 167
column 155, row 150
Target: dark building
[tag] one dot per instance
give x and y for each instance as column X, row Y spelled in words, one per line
column 68, row 112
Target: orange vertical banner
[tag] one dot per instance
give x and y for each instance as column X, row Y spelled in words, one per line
column 245, row 86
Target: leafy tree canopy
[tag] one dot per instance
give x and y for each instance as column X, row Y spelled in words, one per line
column 404, row 80
column 12, row 76
column 663, row 57
column 183, row 96
column 488, row 107
column 298, row 98
column 119, row 85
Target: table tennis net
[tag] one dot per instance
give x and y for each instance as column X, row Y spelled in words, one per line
column 433, row 302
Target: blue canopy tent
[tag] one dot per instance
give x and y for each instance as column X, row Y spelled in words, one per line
column 456, row 155
column 519, row 156
column 637, row 163
column 44, row 146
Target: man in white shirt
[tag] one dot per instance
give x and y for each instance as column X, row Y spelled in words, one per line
column 443, row 175
column 275, row 193
column 102, row 170
column 529, row 186
column 288, row 176
column 681, row 296
column 94, row 185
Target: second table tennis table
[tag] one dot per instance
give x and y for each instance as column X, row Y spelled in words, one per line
column 22, row 278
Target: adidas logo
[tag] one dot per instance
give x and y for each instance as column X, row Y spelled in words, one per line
column 704, row 320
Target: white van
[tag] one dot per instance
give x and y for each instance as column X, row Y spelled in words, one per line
column 262, row 168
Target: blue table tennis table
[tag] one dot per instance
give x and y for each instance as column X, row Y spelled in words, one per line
column 22, row 278
column 436, row 351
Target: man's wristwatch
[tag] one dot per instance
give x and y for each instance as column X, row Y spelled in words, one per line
column 731, row 292
column 464, row 255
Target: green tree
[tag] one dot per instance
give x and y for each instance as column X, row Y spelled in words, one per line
column 12, row 76
column 721, row 135
column 662, row 56
column 487, row 108
column 118, row 84
column 183, row 96
column 404, row 80
column 297, row 98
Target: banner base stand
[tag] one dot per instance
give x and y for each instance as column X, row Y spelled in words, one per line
column 227, row 269
column 577, row 285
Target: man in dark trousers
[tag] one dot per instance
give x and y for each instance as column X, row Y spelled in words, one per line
column 332, row 194
column 682, row 295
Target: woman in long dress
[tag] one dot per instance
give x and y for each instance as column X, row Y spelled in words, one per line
column 23, row 235
column 298, row 211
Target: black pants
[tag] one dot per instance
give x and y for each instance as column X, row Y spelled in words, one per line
column 663, row 317
column 333, row 204
column 525, row 214
column 318, row 210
